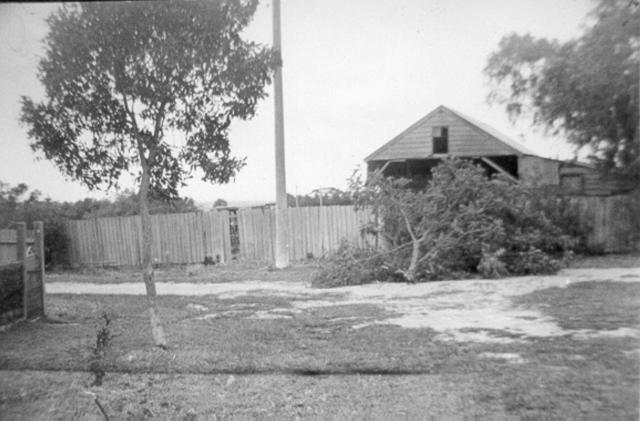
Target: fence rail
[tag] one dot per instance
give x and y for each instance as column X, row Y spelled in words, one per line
column 313, row 232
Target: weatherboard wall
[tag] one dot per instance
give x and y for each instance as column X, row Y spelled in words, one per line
column 536, row 171
column 593, row 183
column 464, row 140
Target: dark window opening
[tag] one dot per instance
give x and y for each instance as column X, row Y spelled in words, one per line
column 440, row 136
column 509, row 163
column 420, row 172
column 391, row 169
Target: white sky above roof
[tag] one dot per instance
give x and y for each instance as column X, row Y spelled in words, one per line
column 356, row 74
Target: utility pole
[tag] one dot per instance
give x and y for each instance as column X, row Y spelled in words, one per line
column 281, row 249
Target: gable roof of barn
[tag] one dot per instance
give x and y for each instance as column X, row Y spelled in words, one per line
column 385, row 150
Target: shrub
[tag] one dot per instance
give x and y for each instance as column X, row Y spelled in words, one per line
column 465, row 222
column 99, row 351
column 491, row 264
column 533, row 261
column 351, row 265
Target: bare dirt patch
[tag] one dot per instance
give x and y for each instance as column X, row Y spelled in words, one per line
column 467, row 310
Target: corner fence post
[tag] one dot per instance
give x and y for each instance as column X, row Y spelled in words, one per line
column 21, row 231
column 38, row 228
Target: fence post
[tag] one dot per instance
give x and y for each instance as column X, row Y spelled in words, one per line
column 21, row 231
column 39, row 243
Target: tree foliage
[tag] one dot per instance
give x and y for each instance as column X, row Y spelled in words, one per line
column 127, row 204
column 585, row 88
column 121, row 77
column 219, row 203
column 324, row 197
column 462, row 222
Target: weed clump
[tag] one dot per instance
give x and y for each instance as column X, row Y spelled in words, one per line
column 101, row 348
column 352, row 265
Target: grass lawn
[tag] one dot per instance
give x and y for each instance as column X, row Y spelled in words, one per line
column 313, row 364
column 191, row 273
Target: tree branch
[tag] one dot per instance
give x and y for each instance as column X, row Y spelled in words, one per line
column 405, row 217
column 401, row 246
column 159, row 121
column 130, row 112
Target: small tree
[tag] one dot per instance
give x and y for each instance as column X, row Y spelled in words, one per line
column 119, row 76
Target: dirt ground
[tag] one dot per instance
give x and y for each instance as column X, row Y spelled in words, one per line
column 259, row 346
column 460, row 310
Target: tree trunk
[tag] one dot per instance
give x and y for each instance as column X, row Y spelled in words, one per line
column 410, row 274
column 147, row 267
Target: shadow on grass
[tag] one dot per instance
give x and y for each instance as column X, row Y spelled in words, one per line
column 249, row 370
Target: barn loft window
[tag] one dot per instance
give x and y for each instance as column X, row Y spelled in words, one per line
column 440, row 139
column 572, row 184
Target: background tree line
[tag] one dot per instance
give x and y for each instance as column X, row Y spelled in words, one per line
column 320, row 197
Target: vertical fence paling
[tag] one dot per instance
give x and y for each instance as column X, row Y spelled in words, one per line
column 610, row 220
column 190, row 238
column 177, row 239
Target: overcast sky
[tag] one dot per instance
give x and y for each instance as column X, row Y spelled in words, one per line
column 356, row 73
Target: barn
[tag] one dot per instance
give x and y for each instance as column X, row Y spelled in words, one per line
column 445, row 132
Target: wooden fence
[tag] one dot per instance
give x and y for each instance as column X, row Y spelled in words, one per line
column 177, row 238
column 313, row 232
column 192, row 237
column 21, row 272
column 614, row 221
